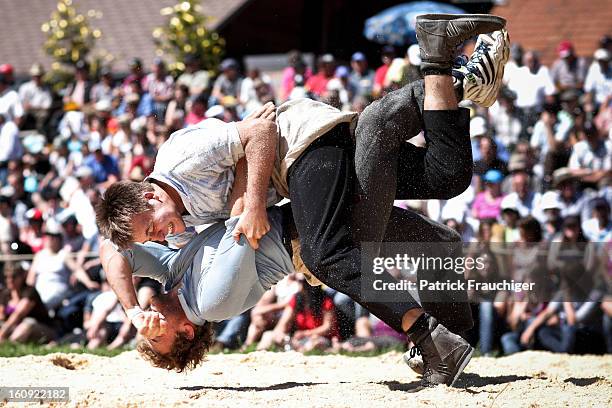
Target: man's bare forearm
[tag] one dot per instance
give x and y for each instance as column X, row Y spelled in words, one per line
column 119, row 275
column 259, row 138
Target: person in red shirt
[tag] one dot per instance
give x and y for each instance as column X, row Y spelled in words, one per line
column 387, row 55
column 317, row 85
column 311, row 316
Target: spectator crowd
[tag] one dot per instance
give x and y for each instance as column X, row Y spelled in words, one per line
column 542, row 176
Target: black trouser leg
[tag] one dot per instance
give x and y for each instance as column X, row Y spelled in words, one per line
column 321, row 184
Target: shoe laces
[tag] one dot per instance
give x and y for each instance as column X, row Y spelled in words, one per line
column 478, row 57
column 415, row 351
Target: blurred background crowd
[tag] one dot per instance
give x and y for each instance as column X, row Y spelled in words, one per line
column 542, row 172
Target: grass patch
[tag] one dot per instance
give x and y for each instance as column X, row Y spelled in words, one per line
column 9, row 349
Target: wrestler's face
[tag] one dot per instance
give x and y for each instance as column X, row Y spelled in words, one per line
column 161, row 219
column 169, row 306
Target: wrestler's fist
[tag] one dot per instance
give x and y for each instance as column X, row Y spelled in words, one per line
column 267, row 111
column 150, row 324
column 253, row 224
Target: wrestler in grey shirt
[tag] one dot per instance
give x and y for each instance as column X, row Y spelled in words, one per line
column 220, row 277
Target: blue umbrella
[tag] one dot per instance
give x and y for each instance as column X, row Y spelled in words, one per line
column 396, row 25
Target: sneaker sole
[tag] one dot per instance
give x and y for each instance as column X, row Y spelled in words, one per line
column 485, row 18
column 501, row 65
column 467, row 356
column 503, row 47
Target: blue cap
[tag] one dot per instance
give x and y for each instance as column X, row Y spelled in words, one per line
column 358, row 56
column 341, row 72
column 493, row 176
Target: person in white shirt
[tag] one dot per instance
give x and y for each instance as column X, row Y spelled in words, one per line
column 35, row 98
column 533, row 87
column 9, row 101
column 598, row 228
column 598, row 81
column 591, row 159
column 10, row 144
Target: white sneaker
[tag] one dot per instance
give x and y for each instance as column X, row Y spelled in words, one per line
column 482, row 74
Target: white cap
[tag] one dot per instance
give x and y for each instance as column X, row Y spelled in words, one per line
column 414, row 54
column 215, row 111
column 478, row 126
column 550, row 200
column 602, row 54
column 510, row 202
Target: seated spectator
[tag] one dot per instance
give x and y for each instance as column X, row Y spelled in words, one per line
column 103, row 166
column 568, row 71
column 32, row 233
column 387, row 55
column 551, row 207
column 533, row 88
column 296, row 67
column 160, row 86
column 266, row 313
column 229, row 82
column 504, row 119
column 79, row 91
column 197, row 112
column 136, row 101
column 308, row 320
column 10, row 104
column 23, row 316
column 8, row 229
column 489, row 159
column 591, row 159
column 36, row 99
column 196, row 80
column 108, row 324
column 137, row 74
column 326, row 67
column 361, row 77
column 371, row 334
column 573, row 201
column 487, row 204
column 10, row 144
column 522, row 197
column 103, row 90
column 598, row 82
column 177, row 107
column 255, row 86
column 598, row 228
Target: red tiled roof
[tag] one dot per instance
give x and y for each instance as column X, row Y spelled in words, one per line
column 126, row 27
column 541, row 24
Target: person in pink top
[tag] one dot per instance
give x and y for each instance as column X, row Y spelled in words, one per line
column 297, row 66
column 487, row 204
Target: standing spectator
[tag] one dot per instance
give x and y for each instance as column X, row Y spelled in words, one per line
column 568, row 71
column 326, row 67
column 387, row 55
column 160, row 86
column 533, row 87
column 297, row 66
column 36, row 99
column 195, row 79
column 229, row 82
column 23, row 316
column 598, row 80
column 10, row 105
column 361, row 77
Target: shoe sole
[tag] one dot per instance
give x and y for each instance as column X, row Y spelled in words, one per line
column 483, row 18
column 501, row 65
column 491, row 96
column 467, row 356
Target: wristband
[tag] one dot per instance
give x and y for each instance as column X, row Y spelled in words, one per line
column 133, row 312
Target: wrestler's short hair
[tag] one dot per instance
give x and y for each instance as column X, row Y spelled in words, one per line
column 121, row 201
column 185, row 353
